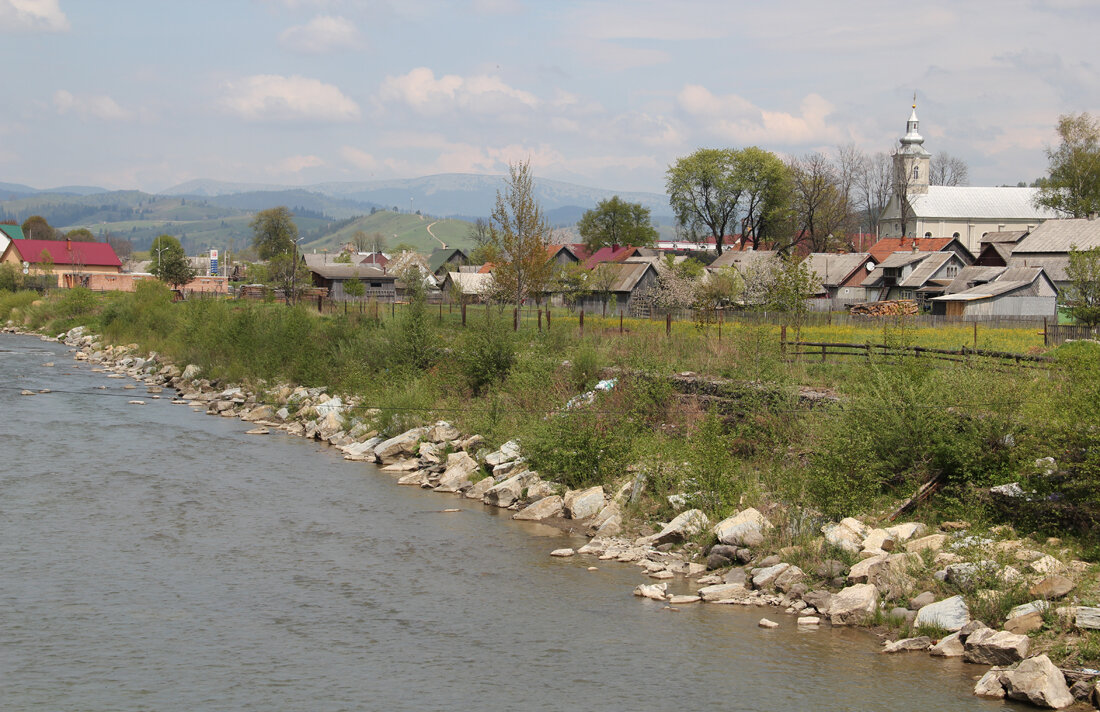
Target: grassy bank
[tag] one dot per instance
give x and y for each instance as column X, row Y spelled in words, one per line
column 745, row 434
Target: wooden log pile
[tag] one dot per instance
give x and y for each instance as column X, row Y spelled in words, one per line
column 899, row 307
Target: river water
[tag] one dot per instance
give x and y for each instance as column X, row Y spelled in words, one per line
column 154, row 558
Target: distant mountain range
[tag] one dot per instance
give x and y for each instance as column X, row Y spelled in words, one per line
column 445, row 195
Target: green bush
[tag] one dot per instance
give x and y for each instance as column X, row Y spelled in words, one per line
column 486, row 353
column 584, row 367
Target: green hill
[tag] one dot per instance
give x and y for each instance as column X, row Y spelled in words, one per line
column 397, row 229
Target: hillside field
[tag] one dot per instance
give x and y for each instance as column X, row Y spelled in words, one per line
column 400, row 228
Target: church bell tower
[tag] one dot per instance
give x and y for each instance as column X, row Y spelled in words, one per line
column 911, row 160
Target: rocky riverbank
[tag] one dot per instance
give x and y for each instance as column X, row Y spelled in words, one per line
column 889, row 578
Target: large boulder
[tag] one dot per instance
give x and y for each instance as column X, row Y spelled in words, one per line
column 949, row 647
column 459, row 472
column 992, row 647
column 191, row 372
column 684, row 526
column 844, row 537
column 542, row 509
column 1038, row 681
column 878, row 540
column 508, row 492
column 951, row 614
column 479, row 488
column 399, row 446
column 932, row 542
column 906, row 644
column 905, row 532
column 853, row 605
column 582, row 504
column 765, row 577
column 789, row 579
column 990, row 684
column 1087, row 617
column 743, row 529
column 442, row 432
column 722, row 592
column 1052, row 587
column 863, row 571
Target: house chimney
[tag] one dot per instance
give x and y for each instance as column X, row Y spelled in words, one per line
column 68, row 245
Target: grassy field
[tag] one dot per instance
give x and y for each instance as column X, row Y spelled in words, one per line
column 400, row 228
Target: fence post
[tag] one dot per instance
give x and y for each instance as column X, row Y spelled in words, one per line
column 540, row 321
column 463, row 313
column 548, row 317
column 393, row 308
column 975, row 335
column 783, row 340
column 441, row 312
column 824, row 350
column 719, row 327
column 1045, row 343
column 620, row 322
column 582, row 322
column 668, row 324
column 320, row 304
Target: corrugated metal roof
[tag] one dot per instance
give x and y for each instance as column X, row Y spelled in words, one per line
column 15, row 232
column 832, row 268
column 1011, row 236
column 65, row 252
column 926, row 269
column 984, row 291
column 901, row 259
column 972, row 276
column 1053, row 264
column 1061, row 235
column 627, row 274
column 751, row 259
column 472, row 284
column 889, row 245
column 943, row 201
column 345, row 270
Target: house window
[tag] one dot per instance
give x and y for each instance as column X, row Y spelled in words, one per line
column 906, row 294
column 952, row 271
column 375, row 285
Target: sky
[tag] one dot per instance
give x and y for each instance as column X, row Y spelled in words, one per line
column 140, row 94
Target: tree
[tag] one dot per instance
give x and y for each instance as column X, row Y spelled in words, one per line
column 80, row 234
column 945, row 169
column 36, row 228
column 821, row 210
column 122, row 247
column 289, row 273
column 479, row 232
column 520, row 234
column 354, row 287
column 616, row 222
column 789, row 284
column 703, row 191
column 1073, row 186
column 602, row 278
column 274, row 232
column 766, row 193
column 874, row 185
column 1083, row 295
column 170, row 264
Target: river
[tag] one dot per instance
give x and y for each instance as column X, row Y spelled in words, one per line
column 154, row 558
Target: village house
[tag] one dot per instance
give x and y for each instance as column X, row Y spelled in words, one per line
column 996, row 247
column 887, row 246
column 467, row 287
column 913, row 275
column 840, row 278
column 72, row 263
column 444, row 259
column 333, row 275
column 626, row 281
column 999, row 292
column 962, row 212
column 1048, row 246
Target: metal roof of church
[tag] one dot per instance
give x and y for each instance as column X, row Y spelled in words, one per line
column 943, row 201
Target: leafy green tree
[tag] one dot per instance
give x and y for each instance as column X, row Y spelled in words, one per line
column 80, row 234
column 416, row 343
column 1073, row 187
column 790, row 284
column 617, row 222
column 290, row 274
column 704, row 191
column 766, row 197
column 274, row 232
column 520, row 234
column 36, row 228
column 354, row 287
column 169, row 262
column 11, row 278
column 1083, row 295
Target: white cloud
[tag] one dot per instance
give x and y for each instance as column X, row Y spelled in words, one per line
column 297, row 164
column 737, row 119
column 18, row 16
column 324, row 33
column 423, row 92
column 97, row 106
column 278, row 98
column 358, row 158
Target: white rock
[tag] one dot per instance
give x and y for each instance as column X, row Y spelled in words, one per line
column 949, row 647
column 479, row 488
column 583, row 504
column 989, row 647
column 764, row 578
column 508, row 492
column 853, row 604
column 542, row 509
column 907, row 644
column 879, row 539
column 950, row 614
column 905, row 532
column 399, row 446
column 684, row 526
column 809, row 620
column 766, row 623
column 562, row 552
column 933, row 542
column 1038, row 681
column 1087, row 617
column 722, row 592
column 843, row 537
column 680, row 600
column 743, row 529
column 1047, row 565
column 656, row 591
column 457, row 476
column 990, row 684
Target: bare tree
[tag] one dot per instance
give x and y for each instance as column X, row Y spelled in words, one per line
column 821, row 210
column 519, row 234
column 875, row 185
column 945, row 169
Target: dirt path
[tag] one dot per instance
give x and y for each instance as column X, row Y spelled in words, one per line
column 444, row 244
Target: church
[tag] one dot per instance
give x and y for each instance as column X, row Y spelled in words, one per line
column 919, row 209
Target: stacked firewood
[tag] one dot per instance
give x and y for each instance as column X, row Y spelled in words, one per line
column 899, row 307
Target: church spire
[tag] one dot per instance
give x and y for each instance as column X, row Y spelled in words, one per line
column 912, row 134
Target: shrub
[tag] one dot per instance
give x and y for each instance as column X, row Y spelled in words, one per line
column 584, row 368
column 486, row 353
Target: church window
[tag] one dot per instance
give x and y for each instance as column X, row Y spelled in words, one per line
column 956, row 236
column 928, row 234
column 916, row 172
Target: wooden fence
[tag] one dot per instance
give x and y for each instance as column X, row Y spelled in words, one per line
column 1057, row 334
column 825, row 349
